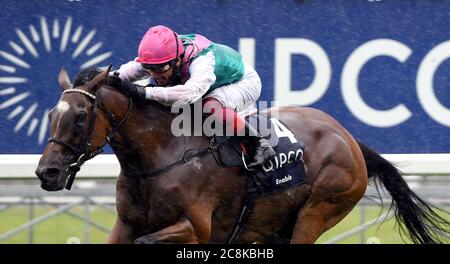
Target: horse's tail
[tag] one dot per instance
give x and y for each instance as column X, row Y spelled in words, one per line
column 423, row 225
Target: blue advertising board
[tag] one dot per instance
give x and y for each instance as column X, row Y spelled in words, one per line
column 378, row 66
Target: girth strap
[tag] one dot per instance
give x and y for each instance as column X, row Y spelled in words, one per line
column 241, row 222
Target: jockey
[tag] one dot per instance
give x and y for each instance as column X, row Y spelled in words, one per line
column 186, row 68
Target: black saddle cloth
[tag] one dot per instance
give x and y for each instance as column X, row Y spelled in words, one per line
column 286, row 170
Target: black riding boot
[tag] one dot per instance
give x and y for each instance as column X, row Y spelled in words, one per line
column 262, row 150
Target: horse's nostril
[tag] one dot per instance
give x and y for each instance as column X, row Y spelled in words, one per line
column 51, row 173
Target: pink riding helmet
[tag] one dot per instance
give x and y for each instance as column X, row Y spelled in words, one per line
column 159, row 45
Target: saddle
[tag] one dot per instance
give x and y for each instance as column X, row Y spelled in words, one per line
column 285, row 170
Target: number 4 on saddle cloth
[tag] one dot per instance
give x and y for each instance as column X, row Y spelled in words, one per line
column 284, row 171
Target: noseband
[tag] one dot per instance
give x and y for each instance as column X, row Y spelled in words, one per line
column 83, row 153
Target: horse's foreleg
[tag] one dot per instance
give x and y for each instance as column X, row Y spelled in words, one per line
column 334, row 194
column 120, row 234
column 181, row 232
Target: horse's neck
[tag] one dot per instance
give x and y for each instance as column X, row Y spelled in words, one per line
column 149, row 125
column 146, row 141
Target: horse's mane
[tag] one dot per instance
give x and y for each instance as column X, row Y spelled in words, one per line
column 89, row 73
column 86, row 75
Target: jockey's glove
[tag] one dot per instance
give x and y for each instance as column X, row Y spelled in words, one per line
column 133, row 90
column 114, row 80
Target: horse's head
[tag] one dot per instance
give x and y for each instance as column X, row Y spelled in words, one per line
column 76, row 129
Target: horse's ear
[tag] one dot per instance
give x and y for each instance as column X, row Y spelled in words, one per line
column 99, row 80
column 63, row 79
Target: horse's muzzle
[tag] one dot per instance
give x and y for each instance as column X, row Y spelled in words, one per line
column 52, row 178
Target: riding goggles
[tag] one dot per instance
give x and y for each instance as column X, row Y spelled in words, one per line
column 158, row 68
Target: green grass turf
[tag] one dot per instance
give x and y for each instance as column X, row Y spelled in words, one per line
column 384, row 233
column 59, row 229
column 55, row 230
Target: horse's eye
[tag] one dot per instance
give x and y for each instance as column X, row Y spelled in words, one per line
column 81, row 117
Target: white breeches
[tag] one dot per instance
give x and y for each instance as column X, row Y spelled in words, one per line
column 240, row 95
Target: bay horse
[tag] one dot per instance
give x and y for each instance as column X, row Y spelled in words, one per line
column 199, row 201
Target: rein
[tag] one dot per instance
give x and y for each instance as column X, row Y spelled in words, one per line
column 84, row 154
column 201, row 153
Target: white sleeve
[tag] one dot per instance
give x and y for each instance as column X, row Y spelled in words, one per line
column 132, row 71
column 201, row 78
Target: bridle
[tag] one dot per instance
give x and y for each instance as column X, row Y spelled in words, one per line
column 83, row 153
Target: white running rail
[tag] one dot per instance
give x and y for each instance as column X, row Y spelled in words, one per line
column 107, row 165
